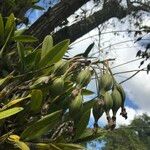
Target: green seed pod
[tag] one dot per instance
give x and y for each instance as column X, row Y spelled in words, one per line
column 61, row 67
column 84, row 77
column 40, row 82
column 117, row 100
column 122, row 92
column 76, row 106
column 123, row 95
column 108, row 102
column 98, row 110
column 106, row 82
column 58, row 85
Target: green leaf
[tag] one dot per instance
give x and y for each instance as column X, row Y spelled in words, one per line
column 88, row 50
column 82, row 124
column 21, row 145
column 14, row 102
column 54, row 147
column 36, row 100
column 6, row 41
column 50, row 120
column 87, row 92
column 10, row 24
column 70, row 146
column 25, row 38
column 21, row 50
column 37, row 7
column 1, row 29
column 10, row 112
column 30, row 59
column 89, row 135
column 36, row 60
column 40, row 82
column 88, row 105
column 55, row 54
column 19, row 32
column 47, row 45
column 5, row 80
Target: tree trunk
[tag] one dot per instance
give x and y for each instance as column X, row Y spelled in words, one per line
column 54, row 17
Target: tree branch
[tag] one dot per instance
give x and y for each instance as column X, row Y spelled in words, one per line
column 54, row 17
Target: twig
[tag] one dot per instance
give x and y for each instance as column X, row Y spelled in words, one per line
column 131, row 76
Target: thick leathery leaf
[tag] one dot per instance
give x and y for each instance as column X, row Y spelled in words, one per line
column 55, row 54
column 14, row 102
column 1, row 29
column 70, row 146
column 51, row 120
column 83, row 122
column 36, row 100
column 47, row 45
column 10, row 112
column 10, row 24
column 25, row 38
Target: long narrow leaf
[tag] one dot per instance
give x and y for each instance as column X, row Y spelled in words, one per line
column 51, row 120
column 25, row 38
column 55, row 54
column 1, row 30
column 47, row 45
column 10, row 112
column 10, row 24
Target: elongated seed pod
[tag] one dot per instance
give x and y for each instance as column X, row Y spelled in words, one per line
column 76, row 106
column 117, row 100
column 106, row 82
column 61, row 67
column 58, row 85
column 108, row 102
column 123, row 95
column 84, row 77
column 98, row 110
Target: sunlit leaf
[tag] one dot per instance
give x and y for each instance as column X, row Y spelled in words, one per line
column 22, row 145
column 47, row 45
column 10, row 112
column 55, row 54
column 5, row 80
column 10, row 24
column 14, row 102
column 25, row 38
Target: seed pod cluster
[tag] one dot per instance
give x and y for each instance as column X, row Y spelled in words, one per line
column 84, row 77
column 113, row 97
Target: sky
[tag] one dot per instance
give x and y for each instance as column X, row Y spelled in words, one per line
column 123, row 49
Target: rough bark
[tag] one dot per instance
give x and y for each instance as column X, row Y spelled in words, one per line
column 82, row 27
column 54, row 17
